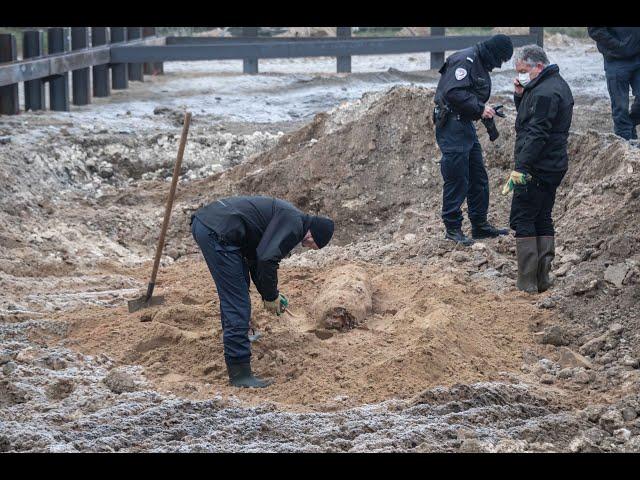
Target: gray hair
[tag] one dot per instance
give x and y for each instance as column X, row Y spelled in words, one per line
column 531, row 55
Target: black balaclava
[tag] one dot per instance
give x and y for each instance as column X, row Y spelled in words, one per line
column 495, row 51
column 321, row 230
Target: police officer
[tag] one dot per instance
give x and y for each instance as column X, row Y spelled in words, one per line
column 620, row 47
column 246, row 237
column 463, row 90
column 545, row 110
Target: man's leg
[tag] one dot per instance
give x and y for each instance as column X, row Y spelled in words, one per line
column 454, row 168
column 524, row 210
column 226, row 266
column 478, row 197
column 634, row 113
column 545, row 237
column 618, row 83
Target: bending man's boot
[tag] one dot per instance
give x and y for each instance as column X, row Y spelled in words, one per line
column 457, row 236
column 546, row 254
column 240, row 376
column 486, row 230
column 527, row 253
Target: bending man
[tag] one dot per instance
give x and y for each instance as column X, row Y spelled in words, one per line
column 246, row 237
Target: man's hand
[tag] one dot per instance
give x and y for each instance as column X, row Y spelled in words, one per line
column 488, row 112
column 277, row 306
column 515, row 178
column 519, row 89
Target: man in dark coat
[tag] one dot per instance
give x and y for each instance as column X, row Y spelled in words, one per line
column 620, row 47
column 245, row 238
column 545, row 107
column 461, row 96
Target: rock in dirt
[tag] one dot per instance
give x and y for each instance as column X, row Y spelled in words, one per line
column 119, row 382
column 345, row 300
column 60, row 389
column 571, row 359
column 611, row 420
column 594, row 345
column 555, row 335
column 628, row 414
column 615, row 274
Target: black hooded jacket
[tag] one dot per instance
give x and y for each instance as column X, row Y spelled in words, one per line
column 616, row 43
column 465, row 84
column 545, row 110
column 266, row 229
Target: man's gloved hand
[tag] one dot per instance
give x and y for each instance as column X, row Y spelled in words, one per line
column 515, row 178
column 277, row 306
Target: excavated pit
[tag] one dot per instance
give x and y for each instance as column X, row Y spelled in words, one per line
column 430, row 348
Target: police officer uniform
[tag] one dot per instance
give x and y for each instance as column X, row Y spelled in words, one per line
column 463, row 90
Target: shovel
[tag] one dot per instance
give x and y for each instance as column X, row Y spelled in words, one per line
column 148, row 299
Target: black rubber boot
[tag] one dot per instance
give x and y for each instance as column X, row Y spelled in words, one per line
column 486, row 230
column 457, row 236
column 546, row 254
column 527, row 253
column 240, row 376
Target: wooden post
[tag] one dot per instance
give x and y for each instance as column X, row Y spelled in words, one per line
column 9, row 102
column 135, row 69
column 119, row 75
column 59, row 84
column 32, row 44
column 250, row 64
column 437, row 58
column 80, row 78
column 539, row 33
column 343, row 63
column 101, row 84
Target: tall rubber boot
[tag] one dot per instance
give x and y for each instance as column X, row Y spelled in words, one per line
column 546, row 254
column 527, row 253
column 240, row 376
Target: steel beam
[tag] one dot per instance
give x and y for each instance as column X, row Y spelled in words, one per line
column 32, row 45
column 293, row 49
column 437, row 58
column 81, row 77
column 135, row 69
column 250, row 62
column 59, row 84
column 101, row 80
column 538, row 32
column 343, row 63
column 9, row 101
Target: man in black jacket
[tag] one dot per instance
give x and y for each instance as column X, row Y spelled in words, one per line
column 246, row 237
column 545, row 107
column 463, row 90
column 620, row 47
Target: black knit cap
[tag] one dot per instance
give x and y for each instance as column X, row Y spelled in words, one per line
column 500, row 46
column 321, row 230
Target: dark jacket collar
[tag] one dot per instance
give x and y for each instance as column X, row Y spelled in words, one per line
column 547, row 72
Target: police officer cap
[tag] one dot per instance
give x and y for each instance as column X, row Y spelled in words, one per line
column 500, row 46
column 321, row 230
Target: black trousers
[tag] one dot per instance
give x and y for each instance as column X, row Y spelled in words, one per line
column 531, row 207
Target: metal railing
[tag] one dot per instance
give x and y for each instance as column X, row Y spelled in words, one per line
column 131, row 52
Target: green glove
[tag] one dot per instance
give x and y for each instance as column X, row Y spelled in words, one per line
column 515, row 178
column 277, row 306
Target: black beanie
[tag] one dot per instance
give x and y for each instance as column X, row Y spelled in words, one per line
column 500, row 46
column 321, row 230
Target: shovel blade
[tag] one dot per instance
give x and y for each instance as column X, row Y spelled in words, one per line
column 144, row 302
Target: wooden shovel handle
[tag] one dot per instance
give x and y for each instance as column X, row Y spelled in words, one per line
column 172, row 192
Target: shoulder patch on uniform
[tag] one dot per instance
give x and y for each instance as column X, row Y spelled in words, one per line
column 470, row 59
column 460, row 73
column 541, row 107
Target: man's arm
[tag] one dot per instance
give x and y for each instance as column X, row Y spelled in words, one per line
column 464, row 102
column 283, row 233
column 603, row 36
column 517, row 99
column 537, row 132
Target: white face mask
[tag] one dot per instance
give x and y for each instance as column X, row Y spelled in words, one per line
column 524, row 78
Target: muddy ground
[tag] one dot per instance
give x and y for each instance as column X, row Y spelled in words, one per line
column 448, row 355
